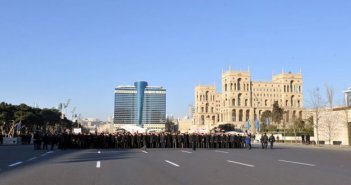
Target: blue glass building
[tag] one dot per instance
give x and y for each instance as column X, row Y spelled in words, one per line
column 140, row 105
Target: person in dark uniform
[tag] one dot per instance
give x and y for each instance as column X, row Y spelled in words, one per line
column 264, row 141
column 303, row 139
column 193, row 138
column 180, row 140
column 308, row 139
column 174, row 140
column 212, row 141
column 271, row 141
column 53, row 141
column 186, row 140
column 37, row 141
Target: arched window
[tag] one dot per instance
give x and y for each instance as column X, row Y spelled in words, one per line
column 233, row 102
column 294, row 115
column 206, row 107
column 291, row 86
column 213, row 120
column 240, row 115
column 202, row 120
column 266, row 103
column 225, row 87
column 247, row 115
column 212, row 109
column 300, row 89
column 234, row 115
column 206, row 96
column 239, row 99
column 231, row 87
column 235, row 86
column 239, row 81
column 202, row 110
column 246, row 102
column 292, row 101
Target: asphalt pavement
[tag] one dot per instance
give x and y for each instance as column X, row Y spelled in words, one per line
column 284, row 165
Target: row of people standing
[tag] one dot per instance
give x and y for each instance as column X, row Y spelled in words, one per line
column 130, row 141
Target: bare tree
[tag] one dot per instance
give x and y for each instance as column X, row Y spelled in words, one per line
column 330, row 95
column 330, row 128
column 317, row 105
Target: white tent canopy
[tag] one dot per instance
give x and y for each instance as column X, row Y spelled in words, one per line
column 133, row 129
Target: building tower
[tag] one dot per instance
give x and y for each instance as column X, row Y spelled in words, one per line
column 140, row 105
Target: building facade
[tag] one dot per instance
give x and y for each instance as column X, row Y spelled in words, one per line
column 242, row 101
column 334, row 125
column 140, row 105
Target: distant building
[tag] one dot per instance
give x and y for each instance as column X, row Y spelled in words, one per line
column 242, row 101
column 140, row 105
column 348, row 97
column 191, row 111
column 334, row 125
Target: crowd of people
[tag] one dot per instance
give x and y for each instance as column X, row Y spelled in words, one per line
column 131, row 141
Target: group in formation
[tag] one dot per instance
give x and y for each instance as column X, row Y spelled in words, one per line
column 137, row 140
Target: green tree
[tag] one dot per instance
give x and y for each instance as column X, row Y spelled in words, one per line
column 308, row 128
column 227, row 127
column 169, row 126
column 277, row 113
column 266, row 114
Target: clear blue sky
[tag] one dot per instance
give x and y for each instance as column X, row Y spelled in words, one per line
column 54, row 50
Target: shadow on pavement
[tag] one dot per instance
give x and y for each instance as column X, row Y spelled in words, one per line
column 105, row 155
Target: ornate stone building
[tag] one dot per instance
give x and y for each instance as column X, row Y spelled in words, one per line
column 243, row 100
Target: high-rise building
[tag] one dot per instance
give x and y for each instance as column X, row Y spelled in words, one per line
column 348, row 97
column 140, row 105
column 191, row 111
column 242, row 101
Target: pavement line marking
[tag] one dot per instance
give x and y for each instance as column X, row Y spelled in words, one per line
column 43, row 155
column 218, row 151
column 15, row 164
column 172, row 163
column 243, row 164
column 31, row 159
column 293, row 162
column 99, row 152
column 98, row 164
column 184, row 151
column 144, row 151
column 50, row 152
